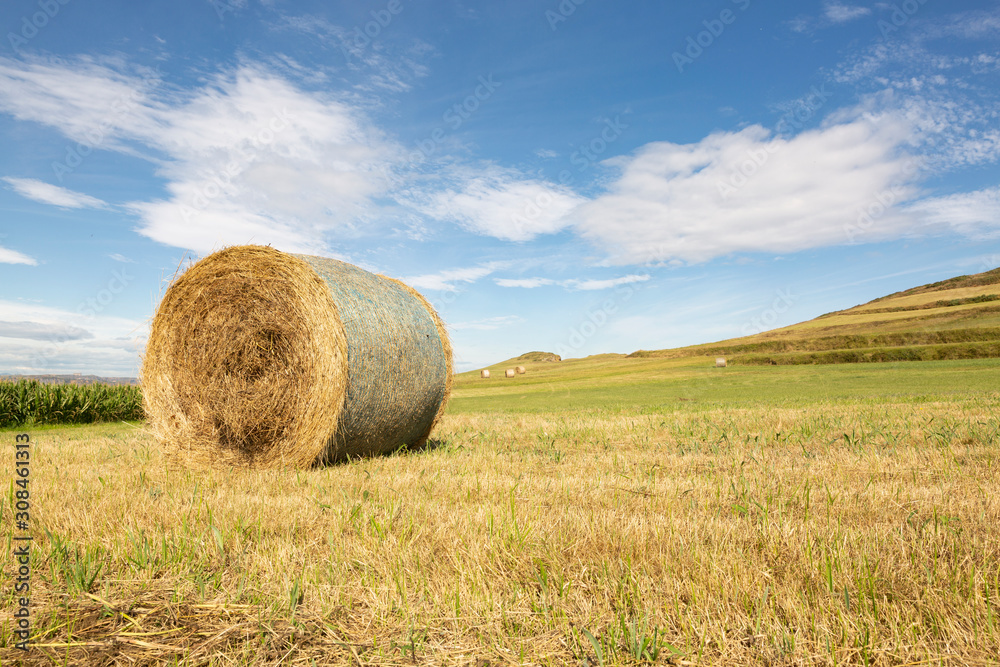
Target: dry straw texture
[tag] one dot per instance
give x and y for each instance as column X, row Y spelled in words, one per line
column 520, row 370
column 509, row 372
column 484, row 374
column 810, row 534
column 258, row 357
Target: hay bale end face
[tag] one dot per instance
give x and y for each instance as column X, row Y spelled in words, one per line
column 720, row 362
column 520, row 370
column 484, row 374
column 259, row 357
column 510, row 372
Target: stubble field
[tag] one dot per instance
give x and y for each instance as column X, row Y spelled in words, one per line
column 702, row 529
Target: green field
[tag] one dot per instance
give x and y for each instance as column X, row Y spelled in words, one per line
column 29, row 402
column 619, row 382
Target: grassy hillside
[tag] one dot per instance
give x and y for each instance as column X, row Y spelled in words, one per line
column 965, row 309
column 953, row 319
column 958, row 318
column 952, row 325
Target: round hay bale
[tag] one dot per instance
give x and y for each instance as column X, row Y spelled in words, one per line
column 520, row 370
column 484, row 374
column 259, row 357
column 509, row 372
column 720, row 362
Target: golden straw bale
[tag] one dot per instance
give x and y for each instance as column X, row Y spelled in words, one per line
column 259, row 357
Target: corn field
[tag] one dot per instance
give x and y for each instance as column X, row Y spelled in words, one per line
column 33, row 402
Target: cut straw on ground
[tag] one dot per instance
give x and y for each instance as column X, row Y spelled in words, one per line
column 820, row 535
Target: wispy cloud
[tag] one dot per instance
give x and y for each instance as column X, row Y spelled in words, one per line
column 951, row 98
column 449, row 279
column 248, row 156
column 387, row 64
column 974, row 25
column 41, row 339
column 502, row 203
column 121, row 258
column 605, row 284
column 528, row 283
column 91, row 101
column 572, row 284
column 971, row 213
column 8, row 256
column 43, row 331
column 47, row 193
column 838, row 12
column 834, row 13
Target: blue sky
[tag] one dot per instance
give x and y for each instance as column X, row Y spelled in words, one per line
column 579, row 176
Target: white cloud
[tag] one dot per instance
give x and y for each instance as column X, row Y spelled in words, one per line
column 605, row 284
column 102, row 326
column 42, row 339
column 949, row 94
column 834, row 13
column 121, row 258
column 574, row 284
column 248, row 157
column 749, row 191
column 42, row 331
column 8, row 256
column 385, row 64
column 800, row 24
column 971, row 213
column 502, row 203
column 841, row 13
column 968, row 25
column 546, row 154
column 90, row 101
column 47, row 193
column 528, row 283
column 447, row 280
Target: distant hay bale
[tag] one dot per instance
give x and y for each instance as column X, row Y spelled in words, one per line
column 520, row 370
column 720, row 362
column 258, row 357
column 484, row 374
column 510, row 372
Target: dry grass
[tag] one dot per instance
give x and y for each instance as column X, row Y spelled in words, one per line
column 831, row 534
column 861, row 321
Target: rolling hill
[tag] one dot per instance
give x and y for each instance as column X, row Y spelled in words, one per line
column 958, row 318
column 955, row 323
